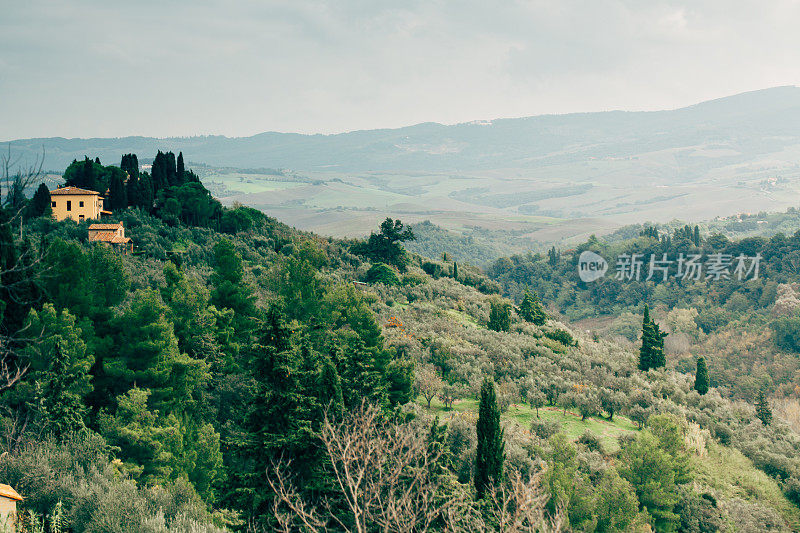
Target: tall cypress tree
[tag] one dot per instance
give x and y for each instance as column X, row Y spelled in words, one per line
column 172, row 173
column 696, row 237
column 701, row 381
column 181, row 170
column 763, row 410
column 118, row 192
column 645, row 352
column 40, row 203
column 491, row 448
column 651, row 353
column 455, row 270
column 130, row 164
column 159, row 173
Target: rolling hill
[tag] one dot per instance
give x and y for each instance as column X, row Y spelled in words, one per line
column 539, row 179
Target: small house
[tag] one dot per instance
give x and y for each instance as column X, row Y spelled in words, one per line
column 111, row 235
column 8, row 506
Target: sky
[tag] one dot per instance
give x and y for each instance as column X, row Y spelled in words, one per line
column 237, row 68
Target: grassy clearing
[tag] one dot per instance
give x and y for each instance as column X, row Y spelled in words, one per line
column 571, row 423
column 727, row 471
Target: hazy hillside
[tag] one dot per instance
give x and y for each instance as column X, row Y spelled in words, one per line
column 543, row 178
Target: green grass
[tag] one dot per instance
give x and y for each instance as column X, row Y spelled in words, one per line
column 571, row 423
column 728, row 471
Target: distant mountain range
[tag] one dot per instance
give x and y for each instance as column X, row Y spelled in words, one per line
column 735, row 130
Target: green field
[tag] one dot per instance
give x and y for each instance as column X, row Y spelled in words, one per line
column 571, row 423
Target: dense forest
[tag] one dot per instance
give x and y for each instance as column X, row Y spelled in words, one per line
column 237, row 374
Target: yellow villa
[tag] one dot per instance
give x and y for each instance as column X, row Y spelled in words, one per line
column 77, row 204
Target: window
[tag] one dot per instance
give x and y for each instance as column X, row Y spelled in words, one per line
column 69, row 205
column 80, row 204
column 53, row 204
column 81, row 216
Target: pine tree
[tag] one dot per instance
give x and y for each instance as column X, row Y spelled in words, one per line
column 329, row 388
column 61, row 405
column 701, row 381
column 490, row 453
column 763, row 410
column 531, row 309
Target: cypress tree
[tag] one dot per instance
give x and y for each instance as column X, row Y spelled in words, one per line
column 130, row 164
column 181, row 169
column 491, row 448
column 696, row 238
column 651, row 354
column 552, row 256
column 171, row 171
column 145, row 192
column 499, row 316
column 40, row 203
column 455, row 270
column 701, row 381
column 159, row 173
column 763, row 410
column 645, row 352
column 118, row 192
column 659, row 357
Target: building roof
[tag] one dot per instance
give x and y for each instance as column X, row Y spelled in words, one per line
column 73, row 190
column 8, row 492
column 108, row 236
column 98, row 227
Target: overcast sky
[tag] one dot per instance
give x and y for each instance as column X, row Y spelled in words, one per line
column 180, row 68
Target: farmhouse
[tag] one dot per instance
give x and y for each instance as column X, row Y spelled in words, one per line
column 8, row 506
column 110, row 234
column 76, row 204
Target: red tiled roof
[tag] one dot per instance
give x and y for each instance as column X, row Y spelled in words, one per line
column 108, row 236
column 105, row 236
column 8, row 492
column 73, row 190
column 105, row 226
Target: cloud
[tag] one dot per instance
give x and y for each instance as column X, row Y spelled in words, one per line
column 239, row 68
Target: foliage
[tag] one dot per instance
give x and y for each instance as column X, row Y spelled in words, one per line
column 499, row 316
column 386, row 245
column 381, row 273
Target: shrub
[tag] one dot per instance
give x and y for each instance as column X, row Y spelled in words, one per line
column 544, row 429
column 592, row 441
column 382, row 273
column 562, row 336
